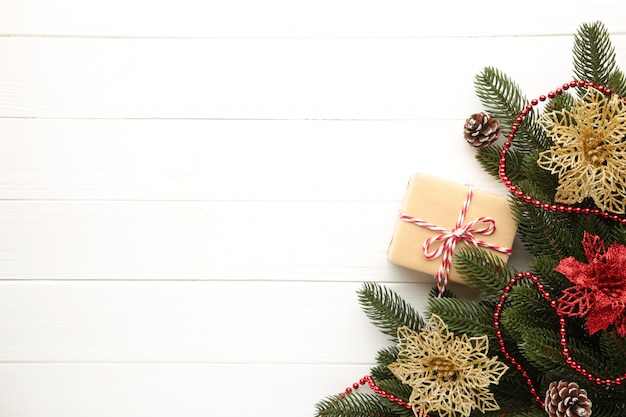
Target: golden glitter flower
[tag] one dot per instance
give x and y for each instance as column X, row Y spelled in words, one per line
column 449, row 375
column 589, row 153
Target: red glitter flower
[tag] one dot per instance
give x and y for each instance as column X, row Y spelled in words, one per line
column 600, row 286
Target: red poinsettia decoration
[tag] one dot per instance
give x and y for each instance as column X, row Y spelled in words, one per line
column 599, row 292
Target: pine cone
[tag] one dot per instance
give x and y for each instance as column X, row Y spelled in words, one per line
column 567, row 399
column 481, row 130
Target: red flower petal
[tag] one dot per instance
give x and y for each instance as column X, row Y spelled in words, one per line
column 575, row 302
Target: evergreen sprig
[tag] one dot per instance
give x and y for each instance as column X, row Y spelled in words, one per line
column 463, row 316
column 594, row 55
column 387, row 310
column 353, row 405
column 503, row 98
column 483, row 270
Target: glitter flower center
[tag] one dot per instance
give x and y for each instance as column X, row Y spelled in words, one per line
column 442, row 368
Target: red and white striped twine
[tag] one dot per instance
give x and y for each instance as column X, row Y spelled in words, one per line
column 449, row 239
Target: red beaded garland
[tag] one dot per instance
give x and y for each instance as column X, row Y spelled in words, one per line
column 562, row 332
column 516, row 191
column 377, row 390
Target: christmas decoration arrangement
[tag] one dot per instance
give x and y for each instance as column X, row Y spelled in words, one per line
column 547, row 341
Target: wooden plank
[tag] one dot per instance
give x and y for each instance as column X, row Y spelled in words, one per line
column 208, row 160
column 305, row 18
column 183, row 322
column 165, row 390
column 325, row 78
column 130, row 240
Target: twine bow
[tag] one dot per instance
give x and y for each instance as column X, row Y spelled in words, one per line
column 450, row 238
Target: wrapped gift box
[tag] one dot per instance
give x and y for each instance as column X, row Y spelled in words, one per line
column 439, row 202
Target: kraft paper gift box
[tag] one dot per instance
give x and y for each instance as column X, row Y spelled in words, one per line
column 439, row 202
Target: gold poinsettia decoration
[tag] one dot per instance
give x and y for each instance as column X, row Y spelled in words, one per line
column 448, row 375
column 589, row 153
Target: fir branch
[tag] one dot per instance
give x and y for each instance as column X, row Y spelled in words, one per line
column 511, row 405
column 525, row 310
column 353, row 405
column 613, row 347
column 543, row 267
column 617, row 82
column 482, row 270
column 545, row 233
column 618, row 234
column 489, row 160
column 541, row 348
column 463, row 316
column 503, row 98
column 594, row 55
column 384, row 357
column 594, row 225
column 381, row 372
column 387, row 355
column 560, row 102
column 399, row 390
column 387, row 310
column 538, row 182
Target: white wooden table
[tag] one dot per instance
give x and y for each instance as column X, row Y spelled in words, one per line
column 191, row 192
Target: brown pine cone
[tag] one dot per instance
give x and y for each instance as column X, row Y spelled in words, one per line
column 481, row 130
column 567, row 399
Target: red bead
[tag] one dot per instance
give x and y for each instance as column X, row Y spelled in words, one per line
column 551, row 94
column 542, row 98
column 559, row 91
column 534, row 102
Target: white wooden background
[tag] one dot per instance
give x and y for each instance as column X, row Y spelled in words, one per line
column 191, row 192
